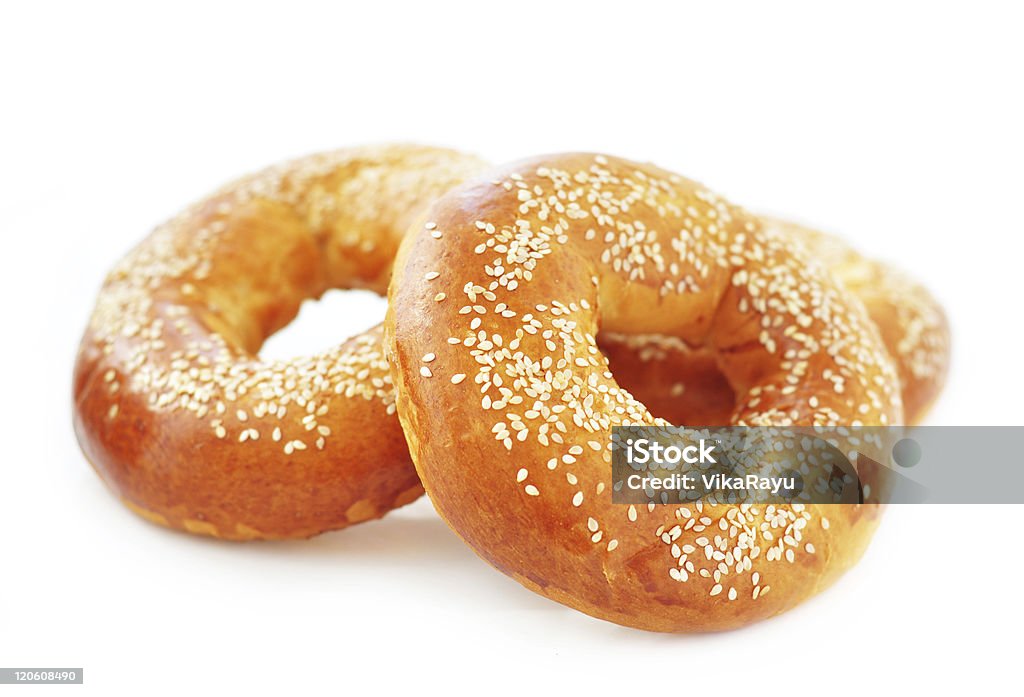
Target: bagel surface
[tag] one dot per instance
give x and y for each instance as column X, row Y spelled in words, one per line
column 507, row 402
column 172, row 404
column 683, row 385
column 909, row 319
column 343, row 214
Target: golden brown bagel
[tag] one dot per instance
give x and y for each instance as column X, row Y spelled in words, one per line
column 683, row 385
column 909, row 319
column 507, row 402
column 354, row 204
column 171, row 403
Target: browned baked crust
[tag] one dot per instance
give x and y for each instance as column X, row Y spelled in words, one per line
column 683, row 385
column 167, row 368
column 507, row 402
column 171, row 403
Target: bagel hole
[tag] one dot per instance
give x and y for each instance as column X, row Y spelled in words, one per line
column 329, row 321
column 684, row 389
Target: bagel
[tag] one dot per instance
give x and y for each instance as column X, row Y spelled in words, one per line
column 349, row 209
column 910, row 321
column 682, row 384
column 177, row 413
column 507, row 402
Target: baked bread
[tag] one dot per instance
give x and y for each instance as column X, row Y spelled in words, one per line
column 194, row 432
column 683, row 385
column 172, row 404
column 507, row 401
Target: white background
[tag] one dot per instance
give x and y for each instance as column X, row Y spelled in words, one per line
column 898, row 126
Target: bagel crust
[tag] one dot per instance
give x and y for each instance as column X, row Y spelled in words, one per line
column 164, row 426
column 177, row 413
column 507, row 402
column 909, row 319
column 683, row 385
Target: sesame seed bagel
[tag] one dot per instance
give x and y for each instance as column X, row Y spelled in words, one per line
column 683, row 385
column 353, row 203
column 173, row 406
column 507, row 402
column 910, row 321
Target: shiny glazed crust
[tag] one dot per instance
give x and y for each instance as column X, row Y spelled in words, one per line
column 174, row 408
column 167, row 432
column 909, row 319
column 507, row 401
column 682, row 384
